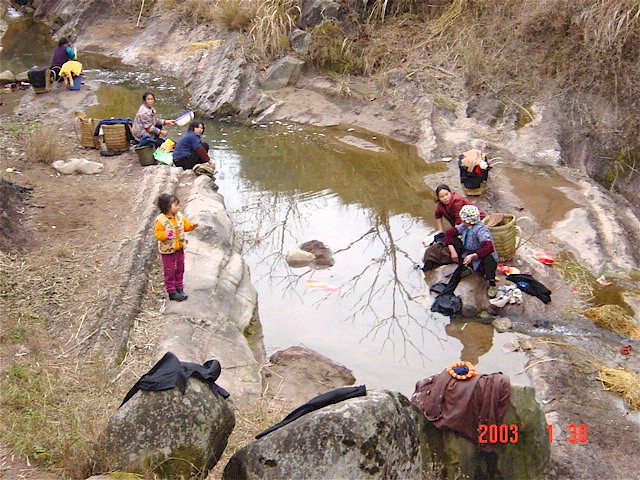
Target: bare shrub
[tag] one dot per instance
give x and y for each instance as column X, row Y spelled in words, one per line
column 274, row 20
column 43, row 145
column 332, row 50
column 190, row 10
column 236, row 14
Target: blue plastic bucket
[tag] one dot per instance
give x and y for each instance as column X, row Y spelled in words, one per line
column 77, row 82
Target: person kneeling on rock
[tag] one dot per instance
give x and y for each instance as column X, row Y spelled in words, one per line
column 170, row 230
column 472, row 241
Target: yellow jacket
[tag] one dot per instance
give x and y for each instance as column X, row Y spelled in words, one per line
column 175, row 227
column 70, row 69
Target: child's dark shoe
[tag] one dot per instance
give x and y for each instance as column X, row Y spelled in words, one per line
column 181, row 292
column 177, row 296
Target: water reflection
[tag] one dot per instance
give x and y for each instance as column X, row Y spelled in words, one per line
column 286, row 184
column 120, row 94
column 292, row 184
column 476, row 339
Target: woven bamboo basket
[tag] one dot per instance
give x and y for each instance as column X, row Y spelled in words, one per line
column 505, row 237
column 115, row 138
column 87, row 129
column 49, row 78
column 474, row 192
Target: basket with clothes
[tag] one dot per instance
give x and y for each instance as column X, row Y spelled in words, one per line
column 116, row 133
column 474, row 172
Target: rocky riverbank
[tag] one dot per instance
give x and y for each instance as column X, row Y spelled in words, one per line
column 601, row 235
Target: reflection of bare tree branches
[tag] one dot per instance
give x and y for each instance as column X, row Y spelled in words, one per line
column 384, row 293
column 402, row 302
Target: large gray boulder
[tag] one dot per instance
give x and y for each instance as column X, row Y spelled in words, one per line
column 166, row 433
column 524, row 455
column 314, row 12
column 370, row 437
column 283, row 72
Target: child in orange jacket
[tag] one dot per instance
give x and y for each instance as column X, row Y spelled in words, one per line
column 170, row 230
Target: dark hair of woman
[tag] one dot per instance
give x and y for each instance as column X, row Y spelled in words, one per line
column 194, row 125
column 63, row 41
column 439, row 188
column 146, row 94
column 165, row 200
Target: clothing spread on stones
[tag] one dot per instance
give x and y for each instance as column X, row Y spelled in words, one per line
column 451, row 211
column 322, row 400
column 190, row 151
column 463, row 405
column 146, row 123
column 170, row 372
column 530, row 285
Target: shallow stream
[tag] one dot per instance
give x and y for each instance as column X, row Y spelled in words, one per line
column 365, row 196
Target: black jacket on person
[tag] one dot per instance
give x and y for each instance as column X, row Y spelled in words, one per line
column 170, row 372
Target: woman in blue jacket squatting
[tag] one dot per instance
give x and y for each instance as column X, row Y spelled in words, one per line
column 190, row 150
column 472, row 241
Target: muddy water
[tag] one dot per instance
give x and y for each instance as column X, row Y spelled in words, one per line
column 287, row 184
column 363, row 195
column 540, row 189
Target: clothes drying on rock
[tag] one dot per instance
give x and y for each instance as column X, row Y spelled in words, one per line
column 322, row 400
column 530, row 285
column 447, row 303
column 170, row 372
column 507, row 294
column 463, row 405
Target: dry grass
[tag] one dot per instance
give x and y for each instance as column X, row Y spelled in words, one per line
column 332, row 50
column 211, row 45
column 271, row 26
column 190, row 11
column 236, row 14
column 614, row 318
column 576, row 275
column 622, row 381
column 53, row 403
column 43, row 145
column 251, row 419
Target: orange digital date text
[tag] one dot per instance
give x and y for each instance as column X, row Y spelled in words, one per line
column 498, row 433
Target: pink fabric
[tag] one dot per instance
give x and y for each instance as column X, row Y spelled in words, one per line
column 173, row 268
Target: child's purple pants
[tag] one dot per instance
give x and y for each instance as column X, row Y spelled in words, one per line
column 173, row 267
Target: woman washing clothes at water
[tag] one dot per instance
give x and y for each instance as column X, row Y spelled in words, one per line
column 191, row 150
column 472, row 241
column 61, row 55
column 147, row 128
column 448, row 206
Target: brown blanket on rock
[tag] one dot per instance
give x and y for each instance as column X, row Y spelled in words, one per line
column 464, row 405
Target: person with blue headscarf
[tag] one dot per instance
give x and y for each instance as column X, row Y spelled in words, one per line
column 471, row 241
